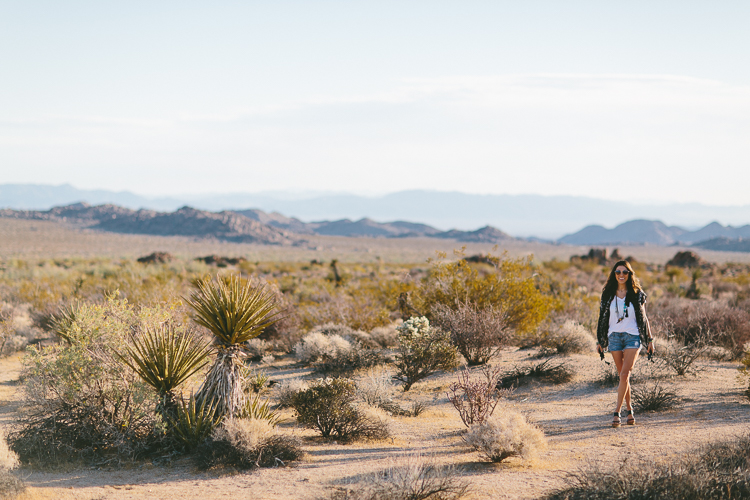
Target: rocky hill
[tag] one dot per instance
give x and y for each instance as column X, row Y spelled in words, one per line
column 725, row 244
column 228, row 226
column 640, row 232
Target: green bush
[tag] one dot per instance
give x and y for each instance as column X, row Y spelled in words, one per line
column 422, row 351
column 509, row 286
column 79, row 402
column 328, row 406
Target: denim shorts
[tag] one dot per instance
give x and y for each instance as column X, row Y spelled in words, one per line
column 619, row 341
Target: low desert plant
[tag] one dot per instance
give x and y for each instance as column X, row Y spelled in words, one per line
column 258, row 409
column 195, row 421
column 546, row 371
column 79, row 402
column 476, row 399
column 164, row 358
column 570, row 338
column 348, row 361
column 256, row 349
column 653, row 397
column 719, row 471
column 385, row 336
column 286, row 390
column 328, row 406
column 422, row 351
column 477, row 333
column 414, row 478
column 504, row 436
column 610, row 377
column 315, row 346
column 681, row 358
column 247, row 444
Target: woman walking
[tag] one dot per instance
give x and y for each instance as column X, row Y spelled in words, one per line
column 623, row 327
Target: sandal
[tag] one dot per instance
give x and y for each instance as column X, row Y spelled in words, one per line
column 616, row 421
column 631, row 417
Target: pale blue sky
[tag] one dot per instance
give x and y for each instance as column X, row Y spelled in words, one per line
column 548, row 97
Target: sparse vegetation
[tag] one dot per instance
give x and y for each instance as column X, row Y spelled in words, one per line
column 717, row 472
column 653, row 397
column 476, row 399
column 547, row 371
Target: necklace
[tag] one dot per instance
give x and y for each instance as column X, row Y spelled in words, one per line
column 617, row 310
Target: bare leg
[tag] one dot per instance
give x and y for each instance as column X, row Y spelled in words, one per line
column 625, row 367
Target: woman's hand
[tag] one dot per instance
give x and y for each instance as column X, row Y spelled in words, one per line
column 599, row 349
column 651, row 347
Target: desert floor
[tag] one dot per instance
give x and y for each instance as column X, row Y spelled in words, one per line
column 43, row 239
column 575, row 418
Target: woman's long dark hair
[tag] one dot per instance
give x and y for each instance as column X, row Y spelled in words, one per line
column 633, row 284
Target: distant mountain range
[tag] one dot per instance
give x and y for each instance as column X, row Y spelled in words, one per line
column 248, row 226
column 547, row 217
column 651, row 232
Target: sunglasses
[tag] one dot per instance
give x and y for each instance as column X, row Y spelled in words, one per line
column 622, row 272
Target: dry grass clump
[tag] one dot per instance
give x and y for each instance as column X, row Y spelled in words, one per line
column 681, row 358
column 570, row 338
column 386, row 336
column 315, row 346
column 653, row 397
column 546, row 371
column 504, row 436
column 412, row 479
column 327, row 405
column 256, row 349
column 717, row 472
column 247, row 444
column 376, row 389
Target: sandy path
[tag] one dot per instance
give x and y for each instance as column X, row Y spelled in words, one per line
column 574, row 416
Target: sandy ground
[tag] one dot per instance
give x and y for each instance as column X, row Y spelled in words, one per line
column 575, row 418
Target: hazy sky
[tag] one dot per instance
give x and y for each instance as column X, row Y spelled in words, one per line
column 644, row 100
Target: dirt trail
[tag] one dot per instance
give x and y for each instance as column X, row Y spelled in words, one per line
column 574, row 417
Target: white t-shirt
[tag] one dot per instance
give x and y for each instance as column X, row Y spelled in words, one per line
column 627, row 322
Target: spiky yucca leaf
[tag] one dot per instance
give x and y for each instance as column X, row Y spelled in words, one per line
column 194, row 421
column 234, row 312
column 164, row 359
column 260, row 410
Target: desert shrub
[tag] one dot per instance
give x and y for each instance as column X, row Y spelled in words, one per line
column 347, row 333
column 610, row 377
column 681, row 358
column 422, row 351
column 386, row 336
column 375, row 389
column 719, row 471
column 509, row 286
column 350, row 360
column 475, row 399
column 477, row 333
column 247, row 444
column 260, row 409
column 286, row 390
column 316, row 345
column 744, row 375
column 653, row 397
column 328, row 406
column 546, row 371
column 256, row 349
column 570, row 338
column 413, row 479
column 79, row 401
column 15, row 329
column 504, row 436
column 691, row 322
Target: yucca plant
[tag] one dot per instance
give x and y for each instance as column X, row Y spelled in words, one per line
column 164, row 359
column 194, row 421
column 260, row 410
column 235, row 311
